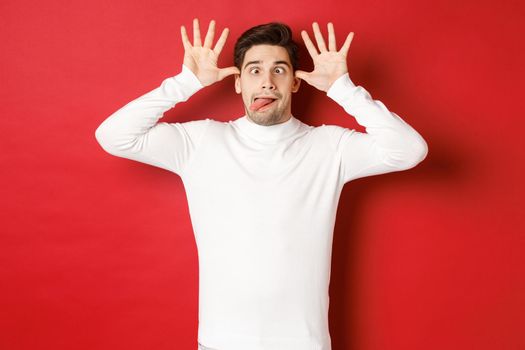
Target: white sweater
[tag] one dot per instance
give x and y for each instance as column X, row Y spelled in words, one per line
column 262, row 202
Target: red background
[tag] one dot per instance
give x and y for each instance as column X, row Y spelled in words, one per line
column 97, row 252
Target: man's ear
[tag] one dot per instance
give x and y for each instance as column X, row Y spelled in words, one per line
column 296, row 83
column 237, row 83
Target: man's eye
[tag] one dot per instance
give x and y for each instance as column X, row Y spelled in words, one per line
column 279, row 68
column 255, row 69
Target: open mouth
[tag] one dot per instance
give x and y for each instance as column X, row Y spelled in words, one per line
column 262, row 103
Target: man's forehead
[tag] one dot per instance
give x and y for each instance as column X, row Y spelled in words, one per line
column 266, row 54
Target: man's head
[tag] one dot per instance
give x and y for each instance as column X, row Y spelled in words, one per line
column 267, row 58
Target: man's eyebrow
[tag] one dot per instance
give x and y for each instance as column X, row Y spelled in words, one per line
column 276, row 62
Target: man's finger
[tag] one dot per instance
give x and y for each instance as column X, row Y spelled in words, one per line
column 185, row 40
column 196, row 33
column 346, row 45
column 221, row 41
column 319, row 37
column 331, row 37
column 224, row 72
column 209, row 35
column 309, row 45
column 302, row 75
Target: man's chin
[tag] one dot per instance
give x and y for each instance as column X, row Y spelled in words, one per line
column 265, row 119
column 268, row 116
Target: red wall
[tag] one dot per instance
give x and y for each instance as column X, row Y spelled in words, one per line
column 97, row 252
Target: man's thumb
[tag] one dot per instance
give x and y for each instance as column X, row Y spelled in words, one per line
column 302, row 75
column 224, row 72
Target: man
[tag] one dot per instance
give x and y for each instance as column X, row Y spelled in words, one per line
column 263, row 189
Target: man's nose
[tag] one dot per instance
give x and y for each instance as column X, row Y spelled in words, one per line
column 268, row 82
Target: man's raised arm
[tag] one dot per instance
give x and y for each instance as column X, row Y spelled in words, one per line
column 389, row 144
column 134, row 132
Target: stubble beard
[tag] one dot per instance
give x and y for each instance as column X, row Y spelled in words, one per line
column 270, row 117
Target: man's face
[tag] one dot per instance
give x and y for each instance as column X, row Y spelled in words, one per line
column 267, row 71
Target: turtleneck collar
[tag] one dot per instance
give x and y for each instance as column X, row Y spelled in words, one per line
column 267, row 133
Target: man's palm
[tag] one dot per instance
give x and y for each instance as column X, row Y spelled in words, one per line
column 329, row 64
column 201, row 59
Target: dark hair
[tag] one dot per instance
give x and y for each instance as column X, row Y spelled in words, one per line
column 273, row 33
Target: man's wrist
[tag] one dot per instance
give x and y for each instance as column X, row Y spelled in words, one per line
column 340, row 86
column 190, row 77
column 189, row 81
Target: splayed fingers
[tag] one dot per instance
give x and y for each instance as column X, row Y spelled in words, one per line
column 329, row 64
column 200, row 58
column 332, row 47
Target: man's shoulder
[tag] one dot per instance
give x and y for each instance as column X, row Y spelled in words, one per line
column 331, row 134
column 215, row 125
column 330, row 129
column 205, row 122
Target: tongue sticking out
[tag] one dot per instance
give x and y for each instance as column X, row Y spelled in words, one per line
column 260, row 102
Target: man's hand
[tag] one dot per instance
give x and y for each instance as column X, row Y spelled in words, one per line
column 202, row 60
column 329, row 64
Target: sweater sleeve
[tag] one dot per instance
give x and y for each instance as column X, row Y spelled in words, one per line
column 388, row 145
column 134, row 132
